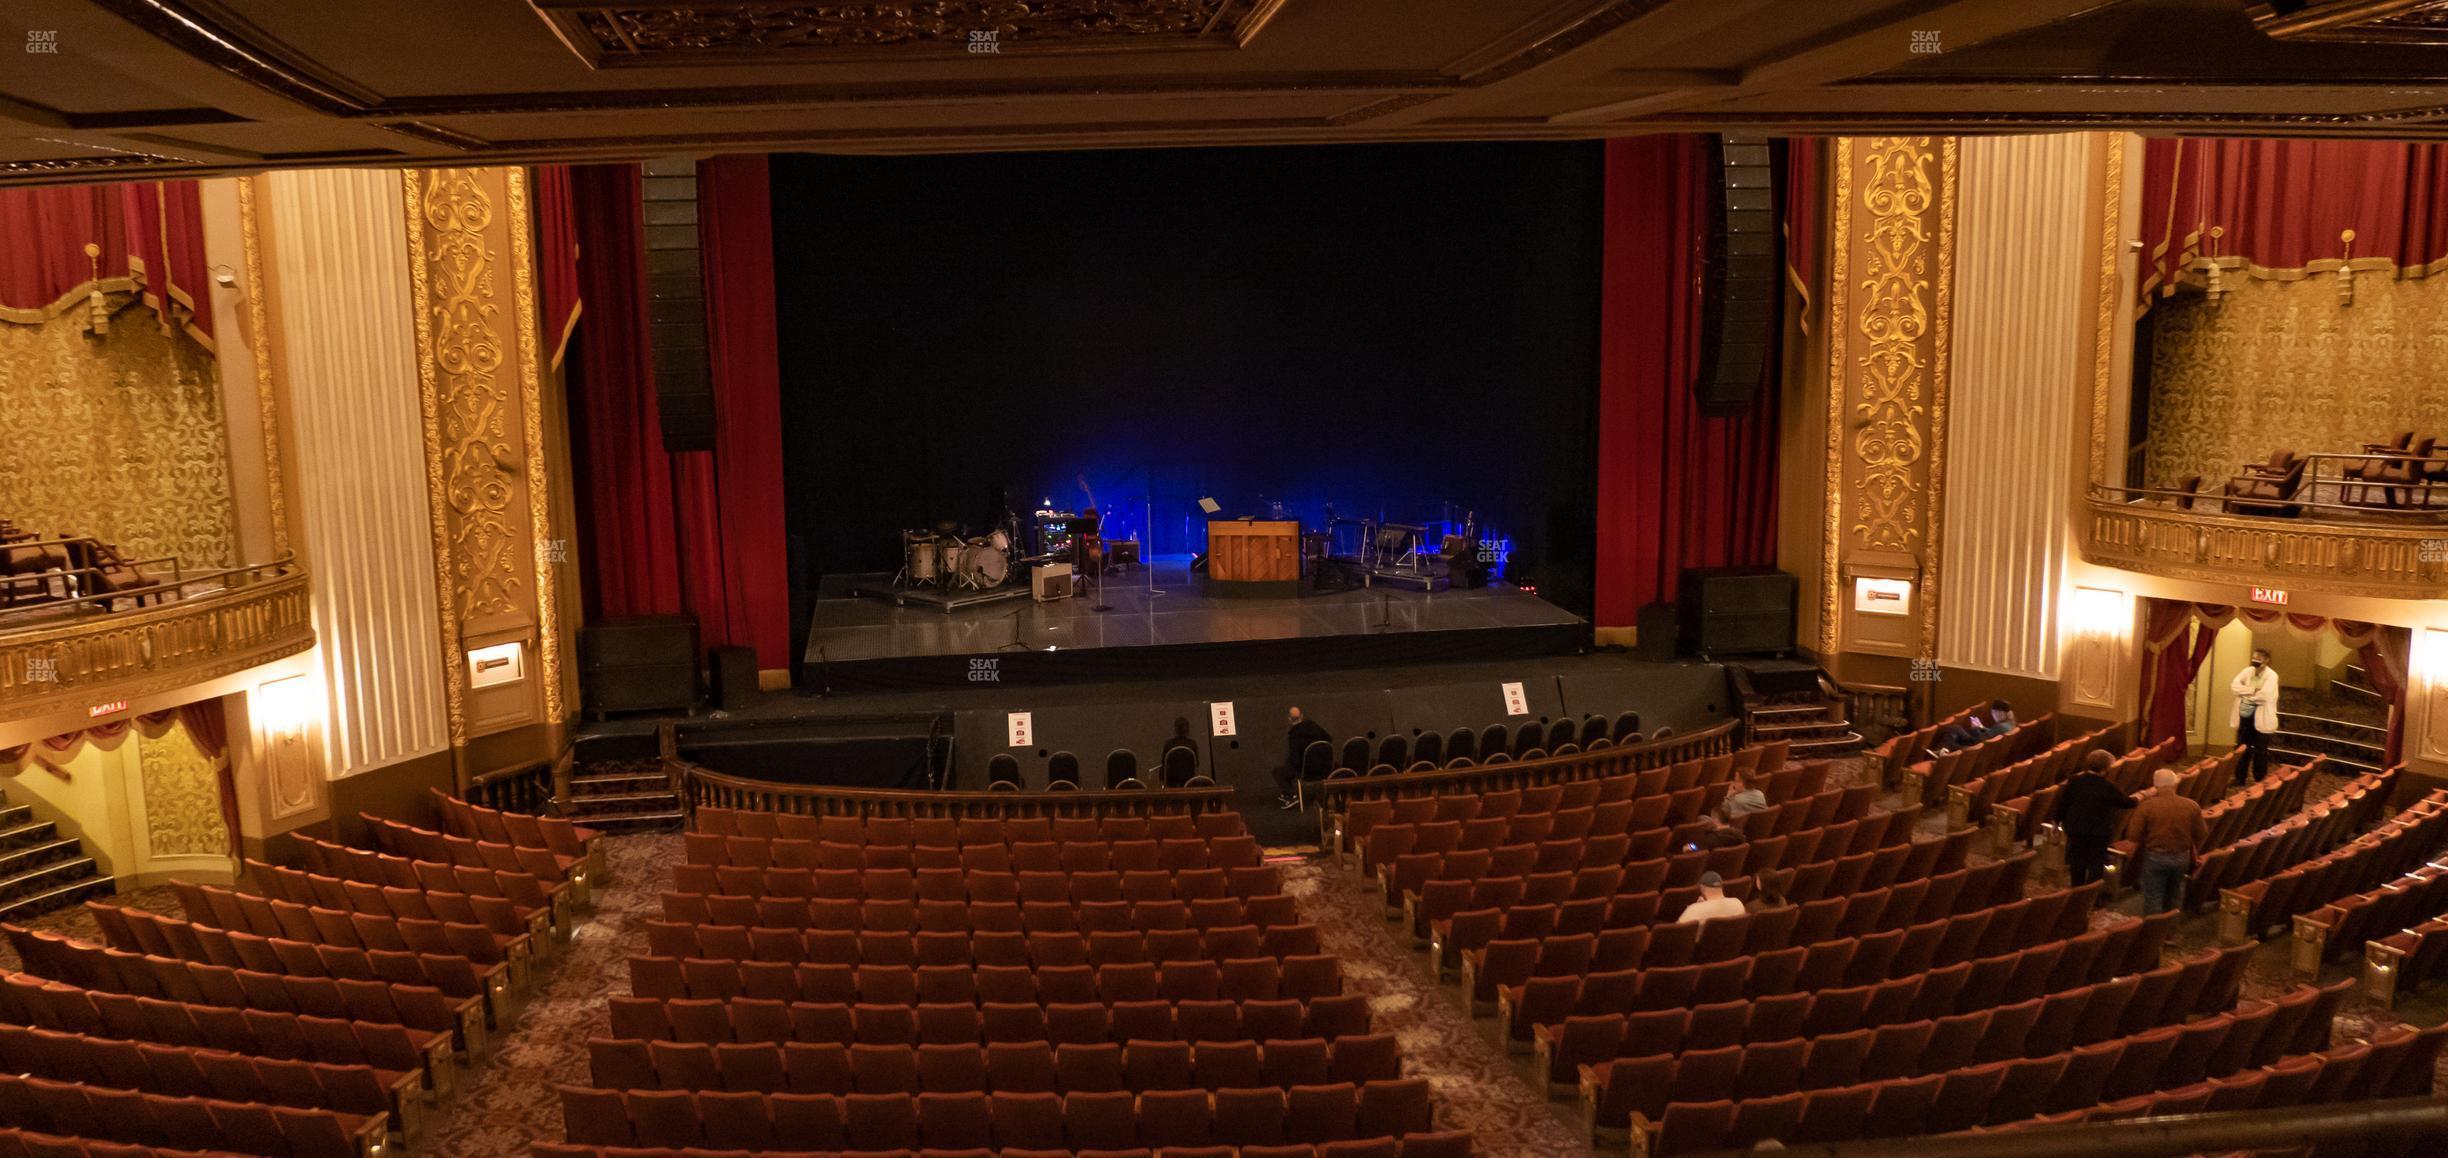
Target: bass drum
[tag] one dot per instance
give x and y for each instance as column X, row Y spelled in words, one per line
column 982, row 566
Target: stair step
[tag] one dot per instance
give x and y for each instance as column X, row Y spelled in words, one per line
column 622, row 798
column 1775, row 709
column 43, row 878
column 12, row 815
column 27, row 833
column 2358, row 693
column 633, row 820
column 2317, row 739
column 618, row 782
column 1849, row 742
column 34, row 856
column 59, row 897
column 1799, row 729
column 2282, row 754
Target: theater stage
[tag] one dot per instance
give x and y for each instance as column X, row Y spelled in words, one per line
column 1161, row 623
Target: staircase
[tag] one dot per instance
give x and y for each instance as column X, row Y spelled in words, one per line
column 40, row 870
column 622, row 796
column 2346, row 722
column 1801, row 707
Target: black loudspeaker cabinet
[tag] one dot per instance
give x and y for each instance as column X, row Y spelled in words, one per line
column 1657, row 629
column 1740, row 287
column 1738, row 610
column 642, row 664
column 675, row 304
column 735, row 677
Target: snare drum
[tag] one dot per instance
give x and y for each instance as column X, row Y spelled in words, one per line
column 924, row 560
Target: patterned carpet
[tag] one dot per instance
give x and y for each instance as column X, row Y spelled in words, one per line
column 511, row 1102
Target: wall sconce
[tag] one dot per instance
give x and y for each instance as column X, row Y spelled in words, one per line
column 2096, row 622
column 286, row 706
column 97, row 307
column 2097, row 611
column 285, row 709
column 2430, row 658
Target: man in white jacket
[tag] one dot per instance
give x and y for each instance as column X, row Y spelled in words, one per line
column 2255, row 714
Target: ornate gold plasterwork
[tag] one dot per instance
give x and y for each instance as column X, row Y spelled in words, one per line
column 2111, row 297
column 1839, row 280
column 259, row 347
column 120, row 436
column 182, row 796
column 614, row 35
column 138, row 653
column 457, row 297
column 2385, row 562
column 1890, row 438
column 1941, row 366
column 539, row 480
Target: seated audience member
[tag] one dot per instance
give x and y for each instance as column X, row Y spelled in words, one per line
column 1746, row 799
column 2001, row 718
column 2167, row 831
column 1772, row 886
column 1713, row 902
column 1718, row 835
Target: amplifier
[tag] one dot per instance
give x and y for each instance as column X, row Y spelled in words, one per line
column 1051, row 581
column 1738, row 610
column 642, row 664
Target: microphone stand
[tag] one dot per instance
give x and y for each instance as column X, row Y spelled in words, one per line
column 1016, row 643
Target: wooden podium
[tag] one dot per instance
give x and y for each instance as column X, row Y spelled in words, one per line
column 1253, row 557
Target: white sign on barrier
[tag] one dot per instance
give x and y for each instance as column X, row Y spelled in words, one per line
column 1023, row 731
column 1220, row 717
column 1516, row 703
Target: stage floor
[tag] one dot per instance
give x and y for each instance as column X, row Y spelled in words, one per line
column 1160, row 609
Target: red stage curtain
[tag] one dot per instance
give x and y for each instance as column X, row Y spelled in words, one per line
column 698, row 531
column 2282, row 203
column 743, row 593
column 1675, row 489
column 2384, row 661
column 150, row 232
column 556, row 256
column 631, row 550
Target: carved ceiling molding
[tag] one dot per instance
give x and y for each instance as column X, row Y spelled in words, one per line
column 2395, row 22
column 683, row 34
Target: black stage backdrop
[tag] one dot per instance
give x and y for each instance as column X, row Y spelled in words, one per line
column 1387, row 328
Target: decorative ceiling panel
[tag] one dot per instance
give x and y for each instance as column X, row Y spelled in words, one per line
column 664, row 35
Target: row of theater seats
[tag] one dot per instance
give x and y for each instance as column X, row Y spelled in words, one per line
column 311, row 1014
column 20, row 1143
column 961, row 832
column 1004, row 1121
column 1829, row 1053
column 1969, row 802
column 1099, row 1018
column 1138, row 1065
column 2003, row 1093
column 1452, row 1144
column 32, row 1002
column 2232, row 817
column 2017, row 821
column 892, row 983
column 1398, row 802
column 1928, row 778
column 1833, row 895
column 2080, row 989
column 2321, row 825
column 2400, row 843
column 1463, row 747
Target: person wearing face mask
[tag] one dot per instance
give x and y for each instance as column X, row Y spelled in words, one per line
column 2255, row 714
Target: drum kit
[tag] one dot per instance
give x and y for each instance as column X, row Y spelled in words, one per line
column 942, row 558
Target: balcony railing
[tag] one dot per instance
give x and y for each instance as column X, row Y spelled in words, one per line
column 201, row 627
column 2143, row 530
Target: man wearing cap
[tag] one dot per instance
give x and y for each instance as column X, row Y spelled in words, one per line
column 1713, row 902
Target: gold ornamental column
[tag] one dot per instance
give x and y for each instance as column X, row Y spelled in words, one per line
column 1890, row 284
column 472, row 271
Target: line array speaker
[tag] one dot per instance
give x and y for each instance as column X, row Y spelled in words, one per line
column 675, row 305
column 1738, row 303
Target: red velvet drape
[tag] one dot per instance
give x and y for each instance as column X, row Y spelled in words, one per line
column 2384, row 662
column 698, row 531
column 556, row 256
column 2180, row 647
column 1675, row 489
column 2282, row 203
column 149, row 231
column 631, row 548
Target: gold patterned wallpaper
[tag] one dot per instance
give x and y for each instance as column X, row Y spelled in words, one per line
column 2287, row 364
column 132, row 448
column 182, row 797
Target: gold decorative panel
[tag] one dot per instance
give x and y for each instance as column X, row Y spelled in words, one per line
column 1891, row 279
column 473, row 284
column 2287, row 364
column 629, row 35
column 182, row 796
column 120, row 437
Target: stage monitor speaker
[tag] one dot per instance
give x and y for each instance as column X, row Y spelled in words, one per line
column 1738, row 610
column 675, row 305
column 735, row 678
column 1657, row 629
column 648, row 663
column 1739, row 286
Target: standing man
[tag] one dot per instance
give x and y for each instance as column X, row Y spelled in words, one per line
column 2087, row 808
column 1304, row 732
column 2167, row 831
column 2255, row 713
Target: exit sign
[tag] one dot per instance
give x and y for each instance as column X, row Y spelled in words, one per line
column 2270, row 595
column 99, row 710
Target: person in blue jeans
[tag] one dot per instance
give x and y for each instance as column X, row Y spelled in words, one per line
column 2168, row 831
